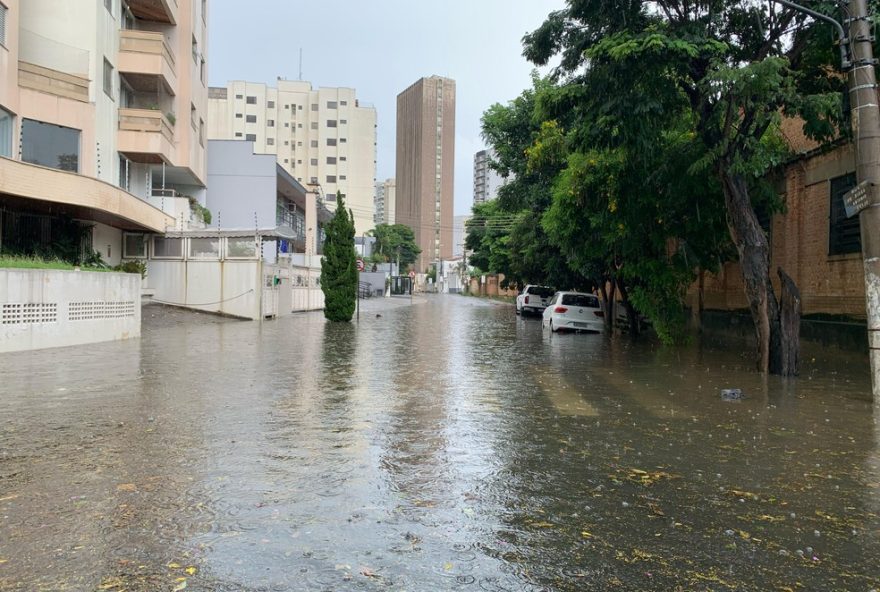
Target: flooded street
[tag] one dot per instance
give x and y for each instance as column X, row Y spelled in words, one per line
column 447, row 445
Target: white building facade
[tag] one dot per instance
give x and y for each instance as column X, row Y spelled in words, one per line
column 384, row 202
column 487, row 181
column 323, row 136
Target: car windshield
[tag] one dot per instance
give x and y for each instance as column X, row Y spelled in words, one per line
column 542, row 291
column 584, row 300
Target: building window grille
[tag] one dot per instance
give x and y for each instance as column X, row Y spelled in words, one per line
column 251, row 137
column 331, row 123
column 251, row 100
column 843, row 233
column 331, row 178
column 251, row 119
column 3, row 11
column 270, row 105
column 331, row 104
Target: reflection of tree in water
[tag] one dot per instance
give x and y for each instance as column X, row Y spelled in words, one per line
column 338, row 357
column 68, row 162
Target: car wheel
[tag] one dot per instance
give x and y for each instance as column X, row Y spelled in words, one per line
column 552, row 330
column 517, row 309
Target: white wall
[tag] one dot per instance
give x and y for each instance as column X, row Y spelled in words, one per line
column 107, row 241
column 51, row 308
column 226, row 287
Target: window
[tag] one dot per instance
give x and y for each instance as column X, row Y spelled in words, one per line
column 331, row 141
column 50, row 145
column 314, row 162
column 342, row 159
column 108, row 4
column 331, row 178
column 342, row 177
column 843, row 233
column 167, row 248
column 286, row 143
column 251, row 100
column 331, row 160
column 314, row 106
column 251, row 119
column 270, row 123
column 202, row 132
column 203, row 71
column 299, row 143
column 299, row 162
column 108, row 78
column 286, row 160
column 237, row 134
column 343, row 103
column 331, row 123
column 6, row 124
column 251, row 137
column 314, row 180
column 270, row 104
column 313, row 143
column 270, row 141
column 314, row 125
column 239, row 96
column 134, row 246
column 342, row 140
column 237, row 248
column 343, row 121
column 286, row 124
column 299, row 125
column 287, row 106
column 193, row 118
column 331, row 104
column 204, row 248
column 300, row 107
column 238, row 115
column 195, row 50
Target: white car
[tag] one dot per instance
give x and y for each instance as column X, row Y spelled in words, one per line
column 574, row 311
column 533, row 299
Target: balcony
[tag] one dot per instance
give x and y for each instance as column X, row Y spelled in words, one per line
column 160, row 11
column 53, row 68
column 145, row 55
column 146, row 136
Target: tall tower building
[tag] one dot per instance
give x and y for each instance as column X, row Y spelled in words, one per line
column 487, row 181
column 426, row 164
column 384, row 201
column 324, row 136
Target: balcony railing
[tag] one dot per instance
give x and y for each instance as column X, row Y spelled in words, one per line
column 145, row 120
column 146, row 42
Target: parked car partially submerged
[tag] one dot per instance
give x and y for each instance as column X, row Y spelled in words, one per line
column 533, row 299
column 574, row 311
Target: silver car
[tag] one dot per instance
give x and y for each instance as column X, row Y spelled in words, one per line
column 574, row 311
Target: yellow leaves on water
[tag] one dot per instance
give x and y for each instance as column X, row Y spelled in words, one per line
column 191, row 570
column 645, row 478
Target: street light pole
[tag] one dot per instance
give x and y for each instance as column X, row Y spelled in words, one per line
column 866, row 128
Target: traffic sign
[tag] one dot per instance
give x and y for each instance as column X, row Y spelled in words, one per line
column 360, row 264
column 856, row 199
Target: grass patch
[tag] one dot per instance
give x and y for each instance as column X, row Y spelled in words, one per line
column 20, row 262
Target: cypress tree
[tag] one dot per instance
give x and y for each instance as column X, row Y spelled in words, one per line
column 339, row 276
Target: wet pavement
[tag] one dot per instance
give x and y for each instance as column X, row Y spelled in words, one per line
column 443, row 446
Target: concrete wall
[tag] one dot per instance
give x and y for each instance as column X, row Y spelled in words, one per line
column 50, row 308
column 227, row 287
column 243, row 185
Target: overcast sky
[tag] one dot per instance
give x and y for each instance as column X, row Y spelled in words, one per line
column 379, row 48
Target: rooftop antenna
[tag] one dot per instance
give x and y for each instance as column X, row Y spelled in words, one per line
column 300, row 63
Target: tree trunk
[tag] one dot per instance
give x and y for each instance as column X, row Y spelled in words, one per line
column 608, row 304
column 789, row 324
column 754, row 257
column 632, row 316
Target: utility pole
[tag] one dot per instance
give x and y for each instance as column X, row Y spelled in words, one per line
column 866, row 128
column 864, row 200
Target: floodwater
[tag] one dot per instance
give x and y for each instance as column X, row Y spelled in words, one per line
column 447, row 445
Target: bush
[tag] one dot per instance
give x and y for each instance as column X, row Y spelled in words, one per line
column 132, row 267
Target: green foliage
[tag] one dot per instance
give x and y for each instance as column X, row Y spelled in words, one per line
column 393, row 241
column 339, row 276
column 133, row 266
column 199, row 210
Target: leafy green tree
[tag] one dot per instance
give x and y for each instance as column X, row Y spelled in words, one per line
column 396, row 243
column 339, row 276
column 727, row 68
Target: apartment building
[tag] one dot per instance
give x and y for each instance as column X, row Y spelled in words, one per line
column 426, row 165
column 487, row 181
column 386, row 194
column 323, row 136
column 103, row 107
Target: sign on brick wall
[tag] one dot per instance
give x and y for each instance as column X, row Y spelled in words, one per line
column 857, row 199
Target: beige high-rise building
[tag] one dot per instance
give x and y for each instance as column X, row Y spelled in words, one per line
column 102, row 118
column 426, row 165
column 386, row 194
column 324, row 136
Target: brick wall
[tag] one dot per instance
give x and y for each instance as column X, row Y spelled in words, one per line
column 830, row 284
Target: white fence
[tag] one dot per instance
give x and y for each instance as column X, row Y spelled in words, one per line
column 42, row 308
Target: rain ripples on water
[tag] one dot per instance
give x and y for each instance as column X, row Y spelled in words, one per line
column 446, row 445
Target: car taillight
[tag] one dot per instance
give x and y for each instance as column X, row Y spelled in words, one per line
column 598, row 313
column 560, row 309
column 526, row 300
